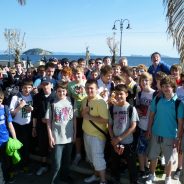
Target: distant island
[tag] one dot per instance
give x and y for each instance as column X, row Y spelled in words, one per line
column 37, row 51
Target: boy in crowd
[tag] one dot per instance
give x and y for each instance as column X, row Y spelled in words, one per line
column 105, row 83
column 94, row 111
column 61, row 132
column 157, row 65
column 121, row 130
column 165, row 127
column 143, row 100
column 6, row 126
column 49, row 73
column 176, row 70
column 131, row 84
column 180, row 94
column 21, row 107
column 40, row 103
column 76, row 90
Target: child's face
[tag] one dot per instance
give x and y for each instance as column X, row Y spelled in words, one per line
column 167, row 90
column 61, row 93
column 78, row 76
column 145, row 83
column 91, row 90
column 106, row 78
column 1, row 100
column 50, row 71
column 26, row 89
column 117, row 71
column 175, row 73
column 121, row 96
column 94, row 75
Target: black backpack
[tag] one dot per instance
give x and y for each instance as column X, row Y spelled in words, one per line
column 130, row 111
column 177, row 103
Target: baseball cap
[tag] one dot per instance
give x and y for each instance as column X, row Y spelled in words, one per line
column 46, row 80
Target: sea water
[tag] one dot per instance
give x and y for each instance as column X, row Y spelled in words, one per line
column 132, row 60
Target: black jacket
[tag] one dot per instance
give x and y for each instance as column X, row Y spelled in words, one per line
column 40, row 104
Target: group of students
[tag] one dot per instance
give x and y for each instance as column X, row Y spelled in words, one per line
column 67, row 103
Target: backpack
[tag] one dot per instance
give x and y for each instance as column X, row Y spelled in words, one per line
column 177, row 103
column 130, row 111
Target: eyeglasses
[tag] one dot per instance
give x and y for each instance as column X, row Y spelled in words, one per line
column 98, row 63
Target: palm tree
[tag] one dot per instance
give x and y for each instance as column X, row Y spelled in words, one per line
column 175, row 17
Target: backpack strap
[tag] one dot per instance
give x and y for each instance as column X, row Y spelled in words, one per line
column 177, row 103
column 6, row 112
column 130, row 111
column 134, row 90
column 139, row 95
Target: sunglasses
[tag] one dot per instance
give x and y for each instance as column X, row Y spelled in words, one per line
column 98, row 62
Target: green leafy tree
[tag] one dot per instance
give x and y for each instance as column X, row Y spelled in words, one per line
column 175, row 17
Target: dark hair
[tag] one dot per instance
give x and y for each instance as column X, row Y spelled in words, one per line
column 62, row 84
column 81, row 60
column 1, row 94
column 126, row 70
column 28, row 82
column 98, row 59
column 121, row 87
column 106, row 57
column 160, row 75
column 182, row 75
column 176, row 67
column 91, row 81
column 105, row 70
column 170, row 81
column 41, row 66
column 49, row 65
column 155, row 54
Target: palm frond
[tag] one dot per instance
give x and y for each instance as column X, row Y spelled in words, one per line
column 175, row 18
column 22, row 2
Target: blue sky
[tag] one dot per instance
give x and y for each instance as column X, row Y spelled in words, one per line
column 71, row 25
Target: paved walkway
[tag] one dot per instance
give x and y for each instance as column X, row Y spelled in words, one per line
column 78, row 174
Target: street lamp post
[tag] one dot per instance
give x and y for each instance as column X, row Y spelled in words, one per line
column 121, row 21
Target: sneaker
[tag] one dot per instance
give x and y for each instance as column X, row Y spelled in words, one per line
column 142, row 177
column 162, row 160
column 150, row 179
column 41, row 171
column 91, row 179
column 168, row 180
column 77, row 159
column 177, row 174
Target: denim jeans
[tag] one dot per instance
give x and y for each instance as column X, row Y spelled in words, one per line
column 61, row 160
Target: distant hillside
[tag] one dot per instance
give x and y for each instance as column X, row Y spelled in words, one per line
column 37, row 51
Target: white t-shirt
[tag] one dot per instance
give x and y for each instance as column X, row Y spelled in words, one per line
column 144, row 102
column 180, row 93
column 22, row 117
column 61, row 114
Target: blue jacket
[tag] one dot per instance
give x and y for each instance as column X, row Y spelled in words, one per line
column 163, row 67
